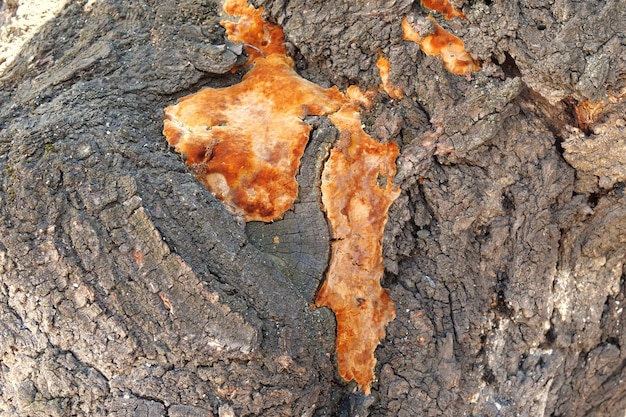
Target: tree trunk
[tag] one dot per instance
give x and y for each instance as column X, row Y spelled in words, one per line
column 129, row 290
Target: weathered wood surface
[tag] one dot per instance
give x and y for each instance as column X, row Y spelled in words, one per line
column 127, row 289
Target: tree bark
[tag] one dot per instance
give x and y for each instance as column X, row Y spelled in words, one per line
column 128, row 289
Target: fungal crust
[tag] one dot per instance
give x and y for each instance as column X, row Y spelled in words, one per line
column 384, row 69
column 357, row 192
column 444, row 7
column 441, row 42
column 245, row 142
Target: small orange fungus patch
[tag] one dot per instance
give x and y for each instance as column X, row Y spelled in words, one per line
column 245, row 142
column 444, row 7
column 363, row 99
column 452, row 49
column 384, row 68
column 410, row 34
column 356, row 193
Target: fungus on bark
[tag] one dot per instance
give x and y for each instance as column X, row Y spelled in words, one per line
column 260, row 37
column 245, row 142
column 441, row 42
column 444, row 7
column 356, row 193
column 384, row 68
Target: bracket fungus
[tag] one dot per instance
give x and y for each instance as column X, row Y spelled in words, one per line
column 245, row 142
column 441, row 42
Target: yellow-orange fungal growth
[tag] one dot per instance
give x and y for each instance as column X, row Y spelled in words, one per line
column 245, row 142
column 444, row 7
column 441, row 42
column 260, row 37
column 356, row 193
column 358, row 97
column 384, row 68
column 410, row 34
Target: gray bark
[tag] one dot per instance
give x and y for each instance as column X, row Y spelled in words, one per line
column 128, row 289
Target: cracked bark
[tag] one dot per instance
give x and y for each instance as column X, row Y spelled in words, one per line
column 127, row 289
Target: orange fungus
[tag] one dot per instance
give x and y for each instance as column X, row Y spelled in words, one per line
column 444, row 7
column 441, row 42
column 245, row 142
column 356, row 193
column 384, row 68
column 260, row 37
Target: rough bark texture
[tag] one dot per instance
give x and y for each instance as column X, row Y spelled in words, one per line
column 128, row 289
